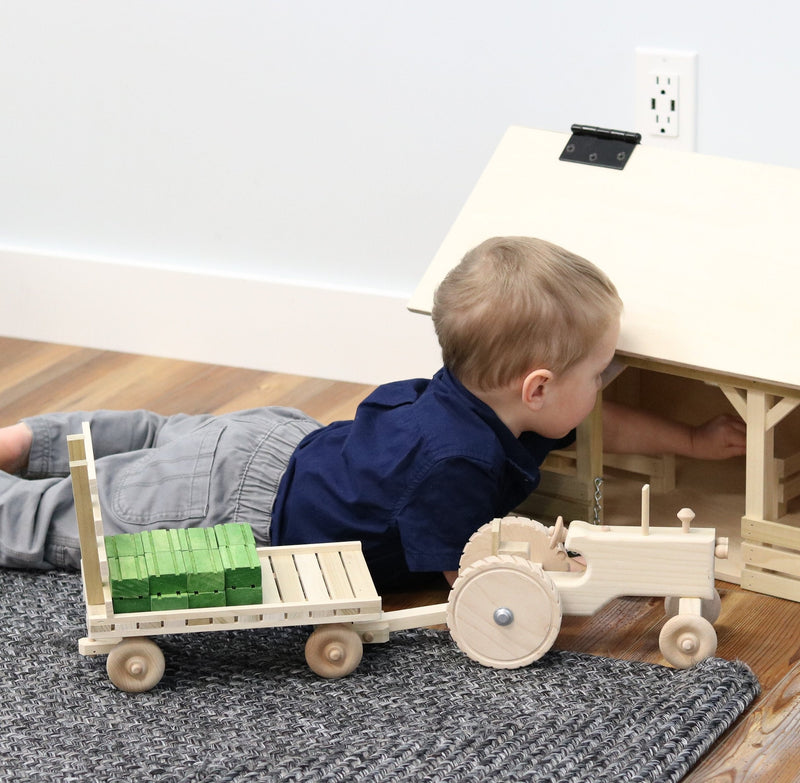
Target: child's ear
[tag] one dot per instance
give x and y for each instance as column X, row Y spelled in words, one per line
column 534, row 388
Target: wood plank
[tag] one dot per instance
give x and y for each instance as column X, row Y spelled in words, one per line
column 762, row 748
column 359, row 575
column 24, row 360
column 766, row 532
column 771, row 584
column 310, row 573
column 269, row 588
column 335, row 575
column 559, row 485
column 788, row 465
column 761, row 630
column 286, row 577
column 771, row 559
column 790, row 489
column 658, row 471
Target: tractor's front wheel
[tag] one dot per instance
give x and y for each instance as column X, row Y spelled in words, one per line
column 687, row 639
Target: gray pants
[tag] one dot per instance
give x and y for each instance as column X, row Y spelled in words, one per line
column 152, row 471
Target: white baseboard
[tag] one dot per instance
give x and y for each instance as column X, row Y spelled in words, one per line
column 303, row 330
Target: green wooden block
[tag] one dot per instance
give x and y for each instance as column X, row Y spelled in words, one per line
column 242, row 596
column 172, row 540
column 124, row 545
column 181, row 542
column 237, row 547
column 200, row 538
column 164, row 602
column 233, row 534
column 204, row 571
column 129, row 577
column 128, row 605
column 207, row 600
column 156, row 541
column 167, row 572
column 242, row 566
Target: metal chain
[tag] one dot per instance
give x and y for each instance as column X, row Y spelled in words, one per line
column 598, row 499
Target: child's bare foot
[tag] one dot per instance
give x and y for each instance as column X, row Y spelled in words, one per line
column 15, row 447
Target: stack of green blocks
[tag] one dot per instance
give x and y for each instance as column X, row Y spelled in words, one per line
column 237, row 548
column 159, row 570
column 130, row 589
column 205, row 577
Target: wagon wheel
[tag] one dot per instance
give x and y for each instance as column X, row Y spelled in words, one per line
column 687, row 639
column 517, row 530
column 135, row 665
column 709, row 608
column 333, row 650
column 504, row 611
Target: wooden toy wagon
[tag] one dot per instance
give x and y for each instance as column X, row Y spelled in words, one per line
column 504, row 609
column 325, row 585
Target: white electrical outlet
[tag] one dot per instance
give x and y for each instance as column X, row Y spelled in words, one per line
column 666, row 98
column 662, row 112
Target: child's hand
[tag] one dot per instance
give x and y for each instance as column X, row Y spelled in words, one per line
column 720, row 438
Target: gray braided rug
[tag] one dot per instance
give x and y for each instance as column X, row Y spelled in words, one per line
column 243, row 706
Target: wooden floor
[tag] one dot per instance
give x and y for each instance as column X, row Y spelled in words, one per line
column 762, row 631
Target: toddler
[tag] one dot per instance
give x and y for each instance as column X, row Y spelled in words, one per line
column 526, row 330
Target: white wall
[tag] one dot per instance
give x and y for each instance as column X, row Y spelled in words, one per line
column 245, row 322
column 324, row 143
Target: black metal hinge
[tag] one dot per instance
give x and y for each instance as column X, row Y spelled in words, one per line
column 600, row 146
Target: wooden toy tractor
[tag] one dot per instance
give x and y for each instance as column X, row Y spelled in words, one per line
column 514, row 584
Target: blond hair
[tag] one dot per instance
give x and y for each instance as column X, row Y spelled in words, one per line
column 515, row 304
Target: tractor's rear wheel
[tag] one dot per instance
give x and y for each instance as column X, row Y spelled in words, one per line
column 530, row 538
column 504, row 611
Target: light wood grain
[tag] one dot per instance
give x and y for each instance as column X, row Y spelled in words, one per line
column 527, row 190
column 762, row 747
column 761, row 630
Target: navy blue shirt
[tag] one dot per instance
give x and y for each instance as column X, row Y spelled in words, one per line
column 421, row 467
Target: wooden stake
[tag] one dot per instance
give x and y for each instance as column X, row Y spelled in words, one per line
column 82, row 493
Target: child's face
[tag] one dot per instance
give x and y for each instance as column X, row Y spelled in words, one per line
column 572, row 394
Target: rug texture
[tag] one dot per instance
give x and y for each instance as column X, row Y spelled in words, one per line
column 243, row 706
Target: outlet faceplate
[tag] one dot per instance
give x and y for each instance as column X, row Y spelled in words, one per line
column 666, row 98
